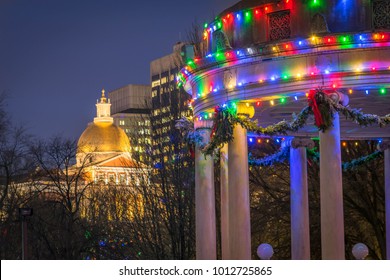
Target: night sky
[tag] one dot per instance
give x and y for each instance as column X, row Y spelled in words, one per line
column 57, row 55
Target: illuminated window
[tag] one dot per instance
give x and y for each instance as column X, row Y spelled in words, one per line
column 111, row 178
column 122, row 178
column 155, row 83
column 121, row 122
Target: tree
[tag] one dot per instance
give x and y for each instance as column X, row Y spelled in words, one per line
column 58, row 228
column 364, row 200
column 15, row 165
column 163, row 228
column 363, row 189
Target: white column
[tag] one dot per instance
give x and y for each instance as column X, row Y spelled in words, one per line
column 331, row 193
column 204, row 199
column 385, row 147
column 299, row 198
column 224, row 203
column 239, row 203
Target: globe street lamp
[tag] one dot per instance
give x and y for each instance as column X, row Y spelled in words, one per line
column 360, row 251
column 265, row 251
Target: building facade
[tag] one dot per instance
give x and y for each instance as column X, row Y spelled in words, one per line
column 169, row 102
column 104, row 150
column 130, row 111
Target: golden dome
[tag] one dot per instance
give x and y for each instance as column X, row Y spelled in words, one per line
column 103, row 137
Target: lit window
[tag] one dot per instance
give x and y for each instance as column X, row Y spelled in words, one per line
column 111, row 178
column 155, row 83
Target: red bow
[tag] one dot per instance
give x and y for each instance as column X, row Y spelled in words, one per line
column 314, row 106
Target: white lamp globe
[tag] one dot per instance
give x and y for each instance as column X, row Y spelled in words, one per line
column 360, row 251
column 265, row 251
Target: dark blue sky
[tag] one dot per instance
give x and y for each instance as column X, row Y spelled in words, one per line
column 56, row 55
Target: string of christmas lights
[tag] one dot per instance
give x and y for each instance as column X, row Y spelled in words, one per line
column 225, row 118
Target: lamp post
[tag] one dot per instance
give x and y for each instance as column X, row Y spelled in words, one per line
column 24, row 213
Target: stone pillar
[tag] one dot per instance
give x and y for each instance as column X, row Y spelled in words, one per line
column 299, row 198
column 238, row 182
column 331, row 194
column 385, row 147
column 224, row 203
column 204, row 198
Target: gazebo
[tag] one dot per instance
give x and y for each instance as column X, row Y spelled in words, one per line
column 267, row 60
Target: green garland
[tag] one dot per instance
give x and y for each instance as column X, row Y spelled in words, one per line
column 320, row 104
column 361, row 118
column 283, row 154
column 190, row 135
column 280, row 156
column 327, row 107
column 226, row 118
column 353, row 164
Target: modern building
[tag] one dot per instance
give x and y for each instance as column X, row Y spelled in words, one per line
column 169, row 102
column 130, row 111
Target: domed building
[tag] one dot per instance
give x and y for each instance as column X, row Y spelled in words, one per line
column 105, row 148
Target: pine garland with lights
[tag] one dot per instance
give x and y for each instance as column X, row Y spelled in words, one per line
column 190, row 135
column 226, row 118
column 321, row 105
column 355, row 163
column 351, row 165
column 280, row 156
column 360, row 118
column 324, row 108
column 281, row 128
column 283, row 155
